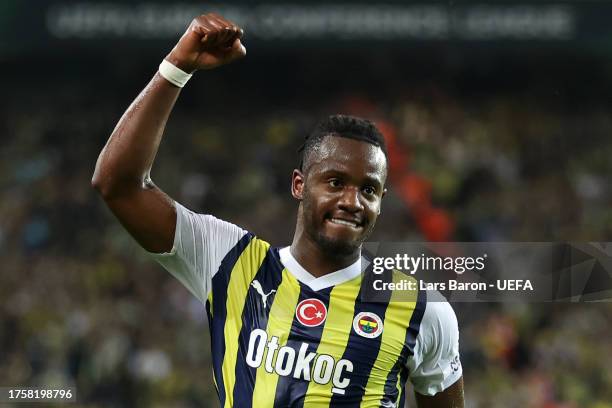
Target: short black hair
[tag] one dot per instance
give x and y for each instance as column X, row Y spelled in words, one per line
column 348, row 126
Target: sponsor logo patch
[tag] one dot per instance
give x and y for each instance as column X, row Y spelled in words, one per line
column 267, row 352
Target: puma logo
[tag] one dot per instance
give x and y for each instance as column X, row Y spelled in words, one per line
column 387, row 404
column 259, row 289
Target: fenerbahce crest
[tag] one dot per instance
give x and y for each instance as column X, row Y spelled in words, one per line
column 368, row 325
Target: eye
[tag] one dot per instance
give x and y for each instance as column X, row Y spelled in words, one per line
column 369, row 190
column 335, row 182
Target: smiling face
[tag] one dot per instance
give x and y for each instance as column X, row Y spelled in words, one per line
column 340, row 190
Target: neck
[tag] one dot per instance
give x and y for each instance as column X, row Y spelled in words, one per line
column 316, row 260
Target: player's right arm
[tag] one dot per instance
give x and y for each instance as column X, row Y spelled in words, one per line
column 122, row 174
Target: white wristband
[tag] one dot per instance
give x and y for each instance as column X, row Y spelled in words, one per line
column 173, row 74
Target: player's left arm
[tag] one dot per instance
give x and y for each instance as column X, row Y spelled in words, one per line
column 435, row 367
column 452, row 397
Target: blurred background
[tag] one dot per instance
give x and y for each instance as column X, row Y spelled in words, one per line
column 499, row 127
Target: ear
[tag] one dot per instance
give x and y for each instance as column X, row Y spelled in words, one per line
column 381, row 197
column 297, row 184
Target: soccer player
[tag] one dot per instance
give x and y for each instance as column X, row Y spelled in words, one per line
column 291, row 326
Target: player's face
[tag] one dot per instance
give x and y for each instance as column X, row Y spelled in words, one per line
column 342, row 192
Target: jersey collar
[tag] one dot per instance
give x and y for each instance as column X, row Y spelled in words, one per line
column 325, row 281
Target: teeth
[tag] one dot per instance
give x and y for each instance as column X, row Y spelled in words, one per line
column 343, row 222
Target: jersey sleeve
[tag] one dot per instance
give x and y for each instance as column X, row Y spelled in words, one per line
column 201, row 241
column 435, row 364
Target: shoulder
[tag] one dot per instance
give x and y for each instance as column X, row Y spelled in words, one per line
column 191, row 224
column 192, row 218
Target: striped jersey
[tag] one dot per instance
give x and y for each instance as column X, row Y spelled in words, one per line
column 281, row 337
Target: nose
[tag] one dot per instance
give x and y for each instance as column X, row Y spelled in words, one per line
column 350, row 201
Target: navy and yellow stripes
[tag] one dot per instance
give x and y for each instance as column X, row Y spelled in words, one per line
column 335, row 336
column 409, row 343
column 280, row 321
column 289, row 390
column 402, row 307
column 240, row 280
column 255, row 316
column 362, row 351
column 252, row 274
column 229, row 287
column 217, row 312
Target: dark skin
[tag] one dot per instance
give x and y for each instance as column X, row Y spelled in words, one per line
column 340, row 193
column 340, row 190
column 122, row 174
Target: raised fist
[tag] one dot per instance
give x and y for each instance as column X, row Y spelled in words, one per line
column 210, row 41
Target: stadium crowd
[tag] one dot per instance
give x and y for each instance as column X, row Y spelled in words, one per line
column 83, row 305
